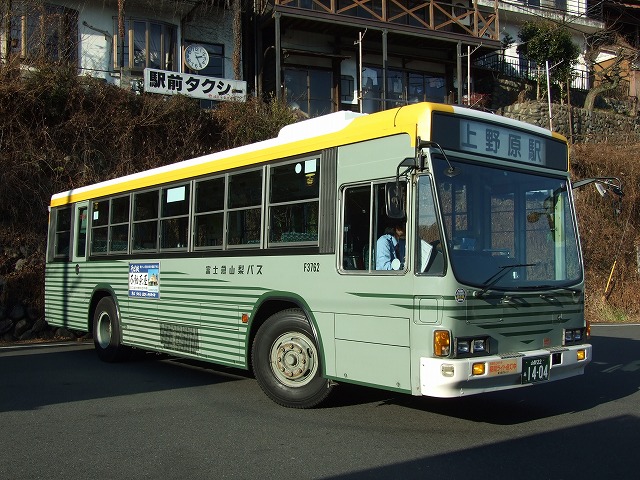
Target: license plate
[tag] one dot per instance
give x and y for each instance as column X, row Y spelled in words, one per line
column 535, row 369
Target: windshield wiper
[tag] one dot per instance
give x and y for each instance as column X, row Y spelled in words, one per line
column 556, row 287
column 495, row 278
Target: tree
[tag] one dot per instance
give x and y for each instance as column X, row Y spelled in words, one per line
column 236, row 9
column 545, row 41
column 609, row 73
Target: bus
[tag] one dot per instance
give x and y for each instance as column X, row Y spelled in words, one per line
column 429, row 249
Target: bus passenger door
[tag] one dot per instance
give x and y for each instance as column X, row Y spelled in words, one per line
column 78, row 289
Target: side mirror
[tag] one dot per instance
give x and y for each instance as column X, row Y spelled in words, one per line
column 395, row 200
column 605, row 186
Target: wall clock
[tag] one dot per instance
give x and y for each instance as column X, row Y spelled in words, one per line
column 196, row 57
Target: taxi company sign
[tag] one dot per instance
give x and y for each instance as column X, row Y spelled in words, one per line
column 196, row 86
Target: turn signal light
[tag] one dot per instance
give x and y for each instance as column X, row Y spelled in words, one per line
column 441, row 343
column 581, row 354
column 478, row 368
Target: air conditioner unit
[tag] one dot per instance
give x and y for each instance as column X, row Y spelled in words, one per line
column 460, row 7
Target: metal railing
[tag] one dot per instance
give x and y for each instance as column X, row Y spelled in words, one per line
column 575, row 8
column 522, row 69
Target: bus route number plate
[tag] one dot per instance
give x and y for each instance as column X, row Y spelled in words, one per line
column 535, row 369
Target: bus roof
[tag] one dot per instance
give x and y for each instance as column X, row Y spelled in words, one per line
column 313, row 135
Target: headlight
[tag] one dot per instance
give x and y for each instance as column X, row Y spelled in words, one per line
column 463, row 347
column 573, row 336
column 479, row 345
column 471, row 346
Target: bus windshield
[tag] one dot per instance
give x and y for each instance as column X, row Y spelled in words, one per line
column 508, row 229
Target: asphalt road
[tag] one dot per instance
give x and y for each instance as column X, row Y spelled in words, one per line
column 66, row 415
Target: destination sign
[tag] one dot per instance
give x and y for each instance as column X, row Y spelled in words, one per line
column 496, row 140
column 499, row 141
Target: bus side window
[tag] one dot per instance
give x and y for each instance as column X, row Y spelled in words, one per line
column 99, row 227
column 209, row 213
column 364, row 223
column 174, row 217
column 145, row 220
column 244, row 212
column 388, row 246
column 356, row 221
column 119, row 225
column 62, row 233
column 81, row 232
column 429, row 252
column 294, row 199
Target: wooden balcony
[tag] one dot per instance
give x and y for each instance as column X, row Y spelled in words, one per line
column 476, row 18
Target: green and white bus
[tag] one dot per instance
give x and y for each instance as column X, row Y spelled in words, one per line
column 267, row 257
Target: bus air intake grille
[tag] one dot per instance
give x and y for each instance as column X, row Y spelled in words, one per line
column 511, row 355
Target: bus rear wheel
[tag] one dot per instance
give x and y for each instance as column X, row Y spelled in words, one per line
column 286, row 362
column 106, row 332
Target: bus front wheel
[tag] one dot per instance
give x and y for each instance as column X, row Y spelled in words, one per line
column 286, row 362
column 106, row 331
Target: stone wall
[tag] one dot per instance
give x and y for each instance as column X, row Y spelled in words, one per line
column 22, row 319
column 577, row 124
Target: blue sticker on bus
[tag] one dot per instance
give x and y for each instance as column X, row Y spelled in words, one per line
column 144, row 280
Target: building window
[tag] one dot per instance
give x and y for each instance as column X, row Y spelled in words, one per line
column 310, row 90
column 146, row 44
column 403, row 87
column 426, row 87
column 347, row 87
column 45, row 33
column 215, row 67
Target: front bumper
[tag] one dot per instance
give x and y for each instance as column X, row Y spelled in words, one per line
column 444, row 377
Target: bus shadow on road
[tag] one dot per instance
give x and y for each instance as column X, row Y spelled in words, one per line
column 596, row 450
column 47, row 376
column 51, row 376
column 614, row 374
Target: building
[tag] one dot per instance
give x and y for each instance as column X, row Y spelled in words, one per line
column 115, row 41
column 577, row 16
column 328, row 55
column 319, row 55
column 623, row 18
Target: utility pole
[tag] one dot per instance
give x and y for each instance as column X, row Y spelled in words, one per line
column 548, row 69
column 7, row 27
column 360, row 88
column 121, row 34
column 459, row 71
column 549, row 96
column 468, row 55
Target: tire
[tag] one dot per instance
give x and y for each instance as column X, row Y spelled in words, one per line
column 286, row 362
column 106, row 332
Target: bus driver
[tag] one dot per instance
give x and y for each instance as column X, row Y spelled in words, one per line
column 390, row 248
